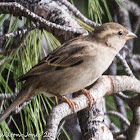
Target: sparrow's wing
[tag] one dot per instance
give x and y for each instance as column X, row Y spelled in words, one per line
column 68, row 55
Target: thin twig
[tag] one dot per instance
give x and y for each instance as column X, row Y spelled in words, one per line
column 120, row 116
column 7, row 96
column 77, row 13
column 126, row 66
column 136, row 26
column 115, row 134
column 9, row 120
column 19, row 32
column 123, row 96
column 60, row 127
column 121, row 138
column 18, row 109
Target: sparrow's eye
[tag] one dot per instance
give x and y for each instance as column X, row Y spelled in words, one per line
column 120, row 33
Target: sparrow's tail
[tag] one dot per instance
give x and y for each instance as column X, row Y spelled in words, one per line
column 24, row 95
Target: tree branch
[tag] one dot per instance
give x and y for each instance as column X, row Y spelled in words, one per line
column 133, row 131
column 19, row 32
column 120, row 116
column 125, row 65
column 104, row 85
column 77, row 13
column 42, row 14
column 132, row 7
column 118, row 101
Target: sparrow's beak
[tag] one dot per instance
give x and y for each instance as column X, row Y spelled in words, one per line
column 130, row 35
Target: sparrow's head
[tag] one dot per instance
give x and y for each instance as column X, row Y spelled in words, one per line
column 114, row 34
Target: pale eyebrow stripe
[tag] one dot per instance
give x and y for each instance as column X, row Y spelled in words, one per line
column 109, row 31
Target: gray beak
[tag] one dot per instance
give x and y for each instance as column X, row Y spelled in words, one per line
column 130, row 35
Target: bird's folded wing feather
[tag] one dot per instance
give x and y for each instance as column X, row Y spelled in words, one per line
column 68, row 55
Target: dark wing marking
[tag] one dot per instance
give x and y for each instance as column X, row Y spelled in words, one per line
column 65, row 56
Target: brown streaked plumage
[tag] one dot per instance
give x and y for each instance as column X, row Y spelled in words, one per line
column 75, row 65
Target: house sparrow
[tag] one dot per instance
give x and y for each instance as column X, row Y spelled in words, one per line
column 73, row 66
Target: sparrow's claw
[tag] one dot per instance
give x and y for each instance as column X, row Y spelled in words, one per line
column 89, row 96
column 70, row 102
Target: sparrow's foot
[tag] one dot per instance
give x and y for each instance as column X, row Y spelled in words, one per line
column 70, row 102
column 89, row 96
